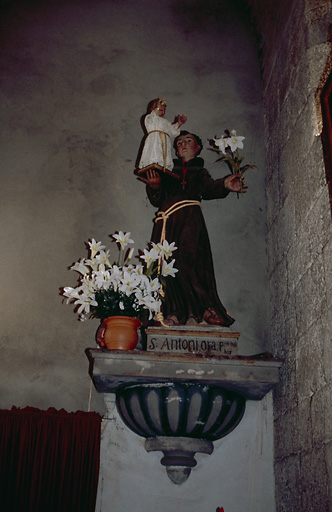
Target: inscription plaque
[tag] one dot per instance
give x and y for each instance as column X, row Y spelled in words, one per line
column 192, row 340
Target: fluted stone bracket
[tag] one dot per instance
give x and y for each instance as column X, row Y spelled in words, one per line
column 179, row 454
column 179, row 419
column 180, row 403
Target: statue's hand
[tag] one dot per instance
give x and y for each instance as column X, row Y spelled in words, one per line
column 152, row 178
column 180, row 120
column 235, row 183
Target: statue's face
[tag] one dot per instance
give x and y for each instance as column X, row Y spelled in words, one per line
column 187, row 147
column 161, row 109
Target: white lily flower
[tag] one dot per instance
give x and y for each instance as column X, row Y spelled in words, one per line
column 98, row 275
column 221, row 144
column 235, row 142
column 130, row 255
column 103, row 257
column 144, row 284
column 102, row 278
column 129, row 283
column 112, row 284
column 93, row 263
column 156, row 248
column 123, row 239
column 101, row 268
column 95, row 247
column 168, row 269
column 85, row 304
column 154, row 284
column 80, row 267
column 150, row 256
column 167, row 249
column 139, row 269
column 71, row 293
column 148, row 301
column 116, row 271
column 88, row 286
column 116, row 276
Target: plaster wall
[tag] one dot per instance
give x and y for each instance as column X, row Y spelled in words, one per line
column 76, row 79
column 296, row 58
column 236, row 476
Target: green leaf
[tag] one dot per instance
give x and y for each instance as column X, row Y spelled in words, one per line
column 248, row 166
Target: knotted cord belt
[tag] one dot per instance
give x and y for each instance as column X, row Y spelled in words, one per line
column 164, row 216
column 163, row 141
column 172, row 209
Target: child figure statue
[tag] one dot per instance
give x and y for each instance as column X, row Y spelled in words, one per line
column 157, row 147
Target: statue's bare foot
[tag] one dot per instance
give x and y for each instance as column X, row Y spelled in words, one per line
column 212, row 318
column 171, row 320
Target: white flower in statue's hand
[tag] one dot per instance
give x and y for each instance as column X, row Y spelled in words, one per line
column 123, row 239
column 235, row 142
column 95, row 247
column 168, row 269
column 221, row 144
column 167, row 249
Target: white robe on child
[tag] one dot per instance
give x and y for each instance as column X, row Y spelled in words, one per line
column 158, row 142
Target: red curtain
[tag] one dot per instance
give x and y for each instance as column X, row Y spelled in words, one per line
column 326, row 103
column 49, row 460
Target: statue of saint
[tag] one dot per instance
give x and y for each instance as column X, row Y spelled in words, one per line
column 192, row 294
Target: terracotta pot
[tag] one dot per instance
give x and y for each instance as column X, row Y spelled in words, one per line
column 121, row 332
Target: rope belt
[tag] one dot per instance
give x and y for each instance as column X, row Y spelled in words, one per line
column 163, row 142
column 172, row 209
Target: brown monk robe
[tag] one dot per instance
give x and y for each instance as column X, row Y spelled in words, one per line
column 192, row 293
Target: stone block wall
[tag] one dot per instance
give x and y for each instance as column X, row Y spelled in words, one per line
column 296, row 54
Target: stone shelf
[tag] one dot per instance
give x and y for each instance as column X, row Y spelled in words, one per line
column 252, row 377
column 181, row 402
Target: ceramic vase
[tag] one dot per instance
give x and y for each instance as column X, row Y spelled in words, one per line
column 121, row 332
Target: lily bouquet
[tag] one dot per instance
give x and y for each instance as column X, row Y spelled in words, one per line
column 106, row 289
column 228, row 146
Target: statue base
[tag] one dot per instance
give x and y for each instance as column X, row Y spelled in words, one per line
column 185, row 339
